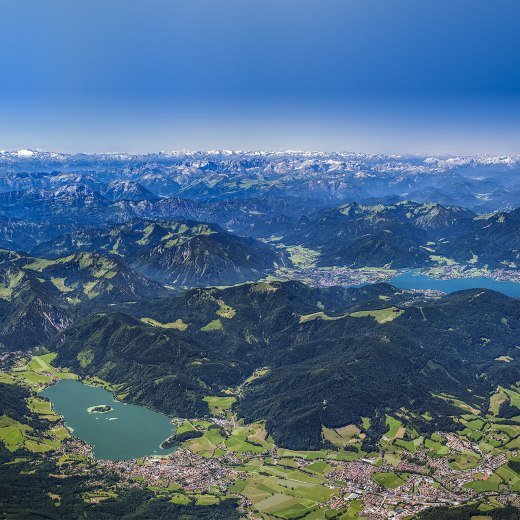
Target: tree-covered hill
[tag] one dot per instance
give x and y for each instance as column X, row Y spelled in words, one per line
column 333, row 356
column 408, row 234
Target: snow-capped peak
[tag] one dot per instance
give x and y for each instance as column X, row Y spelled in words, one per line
column 25, row 153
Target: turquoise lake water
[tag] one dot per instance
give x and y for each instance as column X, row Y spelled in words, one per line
column 415, row 280
column 126, row 432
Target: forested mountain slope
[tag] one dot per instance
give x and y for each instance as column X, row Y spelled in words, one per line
column 332, row 357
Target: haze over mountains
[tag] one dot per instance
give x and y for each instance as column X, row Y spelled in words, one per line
column 357, row 210
column 480, row 183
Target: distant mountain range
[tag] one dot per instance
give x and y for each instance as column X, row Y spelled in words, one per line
column 484, row 184
column 394, row 234
column 354, row 209
column 28, row 217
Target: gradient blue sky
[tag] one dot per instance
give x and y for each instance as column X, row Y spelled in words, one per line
column 362, row 75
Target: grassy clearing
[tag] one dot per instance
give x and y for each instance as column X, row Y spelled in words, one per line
column 349, row 434
column 442, row 260
column 238, row 443
column 465, row 407
column 514, row 396
column 13, row 433
column 215, row 325
column 302, row 257
column 176, row 325
column 249, row 439
column 275, row 503
column 381, row 315
column 85, row 357
column 436, row 447
column 99, row 495
column 489, row 484
column 257, row 374
column 42, row 408
column 201, row 445
column 306, row 455
column 390, row 480
column 320, row 467
column 463, row 461
column 224, row 310
column 395, row 428
column 60, row 284
column 11, row 280
column 219, row 405
column 207, row 500
column 354, row 507
column 42, row 362
column 7, row 379
column 509, row 476
column 185, row 427
column 319, row 316
column 496, row 400
column 180, row 499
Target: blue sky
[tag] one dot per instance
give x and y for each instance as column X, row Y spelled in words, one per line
column 367, row 75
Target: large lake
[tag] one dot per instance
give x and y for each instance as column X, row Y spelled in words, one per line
column 414, row 280
column 126, row 432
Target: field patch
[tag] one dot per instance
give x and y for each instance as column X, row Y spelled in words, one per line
column 342, row 436
column 177, row 324
column 390, row 480
column 224, row 310
column 215, row 325
column 12, row 433
column 381, row 315
column 395, row 428
column 219, row 405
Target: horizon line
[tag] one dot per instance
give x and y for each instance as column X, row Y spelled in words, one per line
column 28, row 153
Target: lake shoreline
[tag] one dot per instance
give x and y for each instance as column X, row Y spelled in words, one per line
column 138, row 432
column 417, row 279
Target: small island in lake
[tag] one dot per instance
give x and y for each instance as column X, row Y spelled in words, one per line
column 99, row 408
